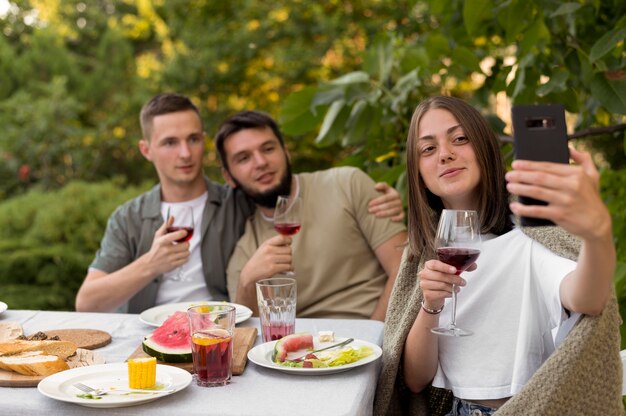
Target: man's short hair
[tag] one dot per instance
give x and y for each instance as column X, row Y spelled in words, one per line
column 250, row 119
column 163, row 104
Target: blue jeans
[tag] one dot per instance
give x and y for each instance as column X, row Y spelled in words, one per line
column 462, row 408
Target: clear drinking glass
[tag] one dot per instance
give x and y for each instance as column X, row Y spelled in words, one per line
column 287, row 217
column 276, row 298
column 183, row 220
column 458, row 244
column 211, row 328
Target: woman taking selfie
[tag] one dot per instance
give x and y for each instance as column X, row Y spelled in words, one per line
column 520, row 289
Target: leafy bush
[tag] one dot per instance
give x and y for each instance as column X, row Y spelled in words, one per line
column 614, row 195
column 48, row 239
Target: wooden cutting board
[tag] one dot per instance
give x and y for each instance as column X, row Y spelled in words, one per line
column 82, row 358
column 88, row 339
column 243, row 340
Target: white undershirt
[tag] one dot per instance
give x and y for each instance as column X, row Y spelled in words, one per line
column 511, row 302
column 171, row 291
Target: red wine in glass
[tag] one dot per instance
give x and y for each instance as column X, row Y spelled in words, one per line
column 461, row 258
column 287, row 217
column 287, row 229
column 457, row 242
column 183, row 220
column 189, row 230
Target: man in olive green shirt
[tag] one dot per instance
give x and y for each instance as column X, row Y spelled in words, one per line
column 345, row 259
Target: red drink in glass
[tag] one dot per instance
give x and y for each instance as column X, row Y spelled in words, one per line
column 277, row 330
column 212, row 355
column 185, row 238
column 287, row 229
column 461, row 258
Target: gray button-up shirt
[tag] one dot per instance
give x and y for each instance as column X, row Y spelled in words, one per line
column 130, row 233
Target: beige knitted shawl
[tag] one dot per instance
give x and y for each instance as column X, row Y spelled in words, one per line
column 582, row 377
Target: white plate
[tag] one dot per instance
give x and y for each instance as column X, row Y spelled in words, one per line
column 157, row 315
column 262, row 355
column 59, row 386
column 3, row 306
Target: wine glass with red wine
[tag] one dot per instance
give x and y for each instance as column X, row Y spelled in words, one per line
column 458, row 244
column 183, row 220
column 287, row 217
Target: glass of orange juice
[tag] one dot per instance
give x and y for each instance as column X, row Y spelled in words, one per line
column 211, row 329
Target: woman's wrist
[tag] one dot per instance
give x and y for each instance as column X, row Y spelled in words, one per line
column 431, row 311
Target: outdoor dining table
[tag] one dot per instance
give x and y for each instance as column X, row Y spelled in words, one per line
column 258, row 391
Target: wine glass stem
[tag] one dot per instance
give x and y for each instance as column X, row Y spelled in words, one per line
column 453, row 323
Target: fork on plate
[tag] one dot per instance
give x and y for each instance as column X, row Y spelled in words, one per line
column 100, row 392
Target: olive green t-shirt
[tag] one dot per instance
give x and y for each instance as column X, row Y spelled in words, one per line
column 335, row 266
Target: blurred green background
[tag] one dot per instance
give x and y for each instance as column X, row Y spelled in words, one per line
column 342, row 77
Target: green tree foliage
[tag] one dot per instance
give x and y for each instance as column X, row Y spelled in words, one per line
column 44, row 255
column 529, row 51
column 114, row 54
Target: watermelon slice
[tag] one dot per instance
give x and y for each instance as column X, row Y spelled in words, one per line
column 290, row 343
column 170, row 342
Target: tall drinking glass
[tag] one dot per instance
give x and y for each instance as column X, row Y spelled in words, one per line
column 276, row 298
column 211, row 328
column 458, row 244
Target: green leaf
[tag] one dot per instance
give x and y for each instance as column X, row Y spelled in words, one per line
column 606, row 43
column 557, row 83
column 464, row 57
column 333, row 124
column 520, row 77
column 327, row 95
column 535, row 36
column 436, row 45
column 510, row 18
column 415, row 57
column 611, row 94
column 296, row 104
column 475, row 12
column 351, row 78
column 566, row 8
column 358, row 123
column 403, row 88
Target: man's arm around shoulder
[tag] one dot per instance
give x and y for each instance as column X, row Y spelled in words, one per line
column 389, row 255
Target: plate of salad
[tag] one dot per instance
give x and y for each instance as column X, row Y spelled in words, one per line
column 305, row 361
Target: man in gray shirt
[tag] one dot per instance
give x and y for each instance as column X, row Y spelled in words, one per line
column 136, row 252
column 134, row 267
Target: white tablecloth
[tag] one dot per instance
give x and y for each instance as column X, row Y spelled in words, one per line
column 258, row 391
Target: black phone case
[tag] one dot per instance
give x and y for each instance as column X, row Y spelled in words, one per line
column 540, row 134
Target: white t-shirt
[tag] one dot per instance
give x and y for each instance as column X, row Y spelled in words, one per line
column 171, row 291
column 511, row 302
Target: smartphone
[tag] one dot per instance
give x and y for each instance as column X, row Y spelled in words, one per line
column 539, row 133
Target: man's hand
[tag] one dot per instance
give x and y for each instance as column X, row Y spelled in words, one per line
column 164, row 256
column 272, row 257
column 389, row 204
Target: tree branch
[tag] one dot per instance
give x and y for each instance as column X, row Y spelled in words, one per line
column 594, row 131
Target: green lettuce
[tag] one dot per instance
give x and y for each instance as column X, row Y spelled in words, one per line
column 333, row 358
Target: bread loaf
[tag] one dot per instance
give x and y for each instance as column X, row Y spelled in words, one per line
column 33, row 363
column 61, row 349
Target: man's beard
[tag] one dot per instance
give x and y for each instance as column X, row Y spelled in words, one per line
column 268, row 198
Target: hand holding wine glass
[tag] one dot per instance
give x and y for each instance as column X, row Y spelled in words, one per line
column 183, row 220
column 287, row 217
column 458, row 244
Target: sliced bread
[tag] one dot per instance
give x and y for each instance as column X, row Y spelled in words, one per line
column 33, row 363
column 61, row 349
